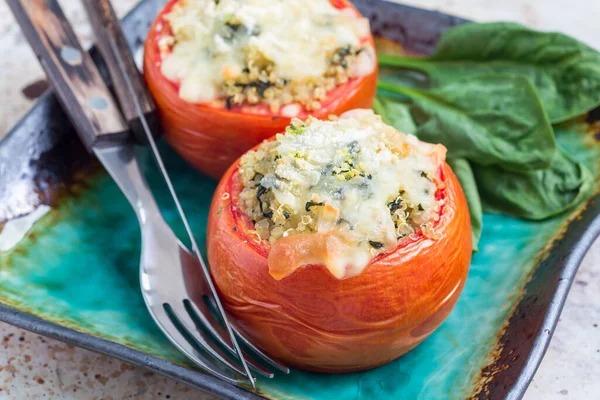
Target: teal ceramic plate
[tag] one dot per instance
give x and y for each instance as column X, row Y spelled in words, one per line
column 75, row 275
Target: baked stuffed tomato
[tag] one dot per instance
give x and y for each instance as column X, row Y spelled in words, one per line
column 339, row 245
column 228, row 74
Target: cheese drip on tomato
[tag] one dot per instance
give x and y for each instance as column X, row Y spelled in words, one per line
column 270, row 44
column 338, row 193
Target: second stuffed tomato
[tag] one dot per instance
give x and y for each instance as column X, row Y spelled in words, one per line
column 228, row 74
column 339, row 245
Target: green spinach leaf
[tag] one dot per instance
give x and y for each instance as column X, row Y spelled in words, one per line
column 535, row 194
column 395, row 113
column 564, row 71
column 488, row 119
column 464, row 173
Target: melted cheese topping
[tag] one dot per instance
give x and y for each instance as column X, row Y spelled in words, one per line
column 355, row 186
column 217, row 40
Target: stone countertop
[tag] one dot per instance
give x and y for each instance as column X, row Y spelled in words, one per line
column 34, row 367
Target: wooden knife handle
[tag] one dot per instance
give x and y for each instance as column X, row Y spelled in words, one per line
column 70, row 69
column 113, row 46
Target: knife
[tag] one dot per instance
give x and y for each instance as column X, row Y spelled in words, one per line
column 95, row 115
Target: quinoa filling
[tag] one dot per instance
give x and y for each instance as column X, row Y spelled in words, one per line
column 285, row 54
column 354, row 175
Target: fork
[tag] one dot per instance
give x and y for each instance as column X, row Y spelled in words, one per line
column 175, row 283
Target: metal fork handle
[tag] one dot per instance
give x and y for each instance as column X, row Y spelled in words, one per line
column 121, row 163
column 73, row 74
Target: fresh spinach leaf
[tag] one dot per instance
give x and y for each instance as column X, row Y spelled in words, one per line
column 535, row 194
column 564, row 71
column 488, row 119
column 410, row 78
column 464, row 173
column 395, row 113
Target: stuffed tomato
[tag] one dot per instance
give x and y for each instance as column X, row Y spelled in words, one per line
column 228, row 74
column 339, row 245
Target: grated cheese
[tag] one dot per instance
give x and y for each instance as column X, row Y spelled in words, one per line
column 287, row 41
column 354, row 177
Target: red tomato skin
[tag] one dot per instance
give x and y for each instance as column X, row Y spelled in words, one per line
column 313, row 321
column 211, row 138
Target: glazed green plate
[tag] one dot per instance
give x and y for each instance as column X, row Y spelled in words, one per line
column 75, row 275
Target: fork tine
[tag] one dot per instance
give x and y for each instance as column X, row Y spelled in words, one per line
column 259, row 353
column 179, row 312
column 178, row 340
column 210, row 323
column 217, row 330
column 219, row 335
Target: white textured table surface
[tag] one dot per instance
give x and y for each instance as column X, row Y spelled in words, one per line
column 33, row 367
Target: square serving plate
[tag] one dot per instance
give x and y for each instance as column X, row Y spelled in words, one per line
column 75, row 275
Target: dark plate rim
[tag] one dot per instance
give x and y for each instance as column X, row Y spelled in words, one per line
column 591, row 218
